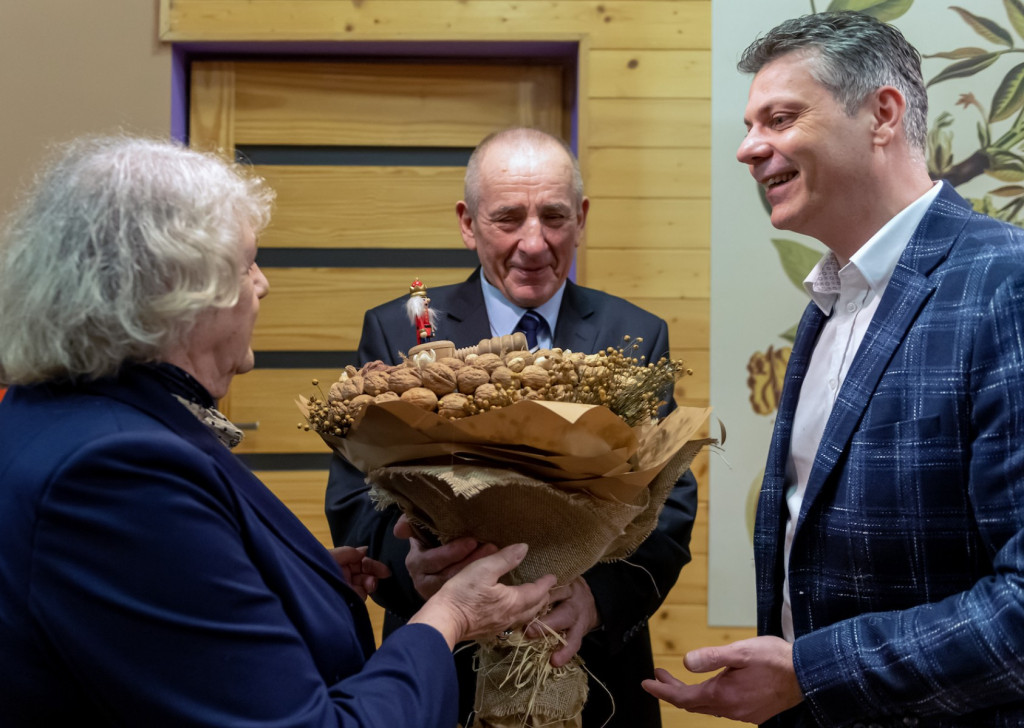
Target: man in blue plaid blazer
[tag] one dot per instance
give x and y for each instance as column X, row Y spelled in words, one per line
column 889, row 543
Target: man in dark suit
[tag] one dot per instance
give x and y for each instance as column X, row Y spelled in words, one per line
column 889, row 543
column 524, row 215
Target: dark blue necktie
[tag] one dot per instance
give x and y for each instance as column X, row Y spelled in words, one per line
column 530, row 324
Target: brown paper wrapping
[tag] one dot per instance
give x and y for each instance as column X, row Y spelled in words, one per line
column 573, row 481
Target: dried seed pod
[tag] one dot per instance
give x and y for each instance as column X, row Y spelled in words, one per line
column 387, row 396
column 453, row 405
column 403, row 379
column 490, row 362
column 375, row 383
column 438, row 378
column 471, row 377
column 534, row 377
column 421, row 397
column 503, row 376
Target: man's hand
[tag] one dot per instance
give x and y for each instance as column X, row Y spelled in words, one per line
column 430, row 568
column 758, row 681
column 573, row 614
column 360, row 572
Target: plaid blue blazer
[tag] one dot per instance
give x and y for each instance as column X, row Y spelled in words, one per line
column 907, row 568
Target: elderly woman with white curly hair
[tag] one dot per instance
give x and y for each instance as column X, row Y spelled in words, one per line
column 147, row 577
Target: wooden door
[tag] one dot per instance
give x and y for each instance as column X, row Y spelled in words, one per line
column 367, row 159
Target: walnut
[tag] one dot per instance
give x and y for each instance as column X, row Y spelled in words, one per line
column 516, row 363
column 374, row 366
column 421, row 397
column 357, row 405
column 375, row 382
column 387, row 396
column 503, row 376
column 560, row 392
column 350, row 371
column 534, row 377
column 488, row 394
column 471, row 377
column 451, row 362
column 453, row 405
column 345, row 389
column 490, row 362
column 403, row 379
column 438, row 378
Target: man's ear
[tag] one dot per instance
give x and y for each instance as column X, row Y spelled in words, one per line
column 582, row 223
column 465, row 224
column 887, row 122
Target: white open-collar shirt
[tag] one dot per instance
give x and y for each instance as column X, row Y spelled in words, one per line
column 849, row 296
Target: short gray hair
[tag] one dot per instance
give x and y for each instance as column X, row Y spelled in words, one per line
column 517, row 137
column 118, row 248
column 852, row 55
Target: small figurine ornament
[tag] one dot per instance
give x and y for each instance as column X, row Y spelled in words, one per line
column 420, row 315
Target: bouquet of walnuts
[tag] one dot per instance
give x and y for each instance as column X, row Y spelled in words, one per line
column 562, row 450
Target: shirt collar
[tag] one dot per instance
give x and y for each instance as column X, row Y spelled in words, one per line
column 877, row 258
column 504, row 315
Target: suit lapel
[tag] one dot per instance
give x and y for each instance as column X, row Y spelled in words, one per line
column 907, row 292
column 577, row 327
column 464, row 314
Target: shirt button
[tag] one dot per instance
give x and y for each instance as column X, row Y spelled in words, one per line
column 833, row 383
column 851, row 307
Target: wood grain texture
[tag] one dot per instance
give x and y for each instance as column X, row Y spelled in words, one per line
column 650, row 122
column 391, row 104
column 609, row 23
column 650, row 74
column 364, row 207
column 321, row 309
column 650, row 173
column 625, row 223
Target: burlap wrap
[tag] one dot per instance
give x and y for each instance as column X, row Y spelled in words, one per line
column 568, row 531
column 573, row 481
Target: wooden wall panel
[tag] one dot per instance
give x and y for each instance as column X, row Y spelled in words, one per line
column 632, row 122
column 608, row 23
column 322, row 308
column 650, row 74
column 649, row 223
column 455, row 105
column 372, row 207
column 644, row 131
column 661, row 273
column 649, row 173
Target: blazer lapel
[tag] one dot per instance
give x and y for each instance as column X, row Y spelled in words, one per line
column 464, row 313
column 907, row 292
column 577, row 327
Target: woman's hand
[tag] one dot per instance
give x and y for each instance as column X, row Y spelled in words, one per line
column 360, row 572
column 430, row 567
column 472, row 604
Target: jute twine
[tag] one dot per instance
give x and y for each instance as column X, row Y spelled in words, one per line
column 517, row 687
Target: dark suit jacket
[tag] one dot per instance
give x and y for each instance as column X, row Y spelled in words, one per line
column 148, row 579
column 626, row 596
column 907, row 568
